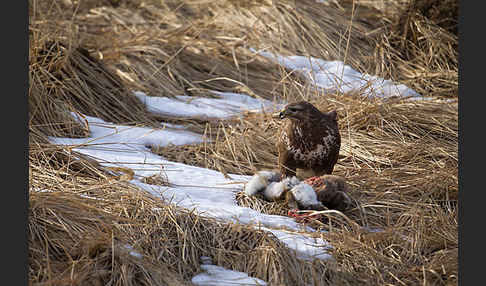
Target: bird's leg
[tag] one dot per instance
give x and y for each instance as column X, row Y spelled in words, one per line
column 286, row 164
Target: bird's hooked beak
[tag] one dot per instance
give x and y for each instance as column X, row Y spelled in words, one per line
column 280, row 115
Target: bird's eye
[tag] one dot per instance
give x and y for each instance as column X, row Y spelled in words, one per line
column 292, row 109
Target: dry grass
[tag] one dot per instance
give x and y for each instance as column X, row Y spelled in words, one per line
column 400, row 157
column 67, row 79
column 420, row 47
column 239, row 146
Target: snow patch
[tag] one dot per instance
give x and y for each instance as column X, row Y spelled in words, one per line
column 337, row 76
column 225, row 105
column 218, row 276
column 306, row 248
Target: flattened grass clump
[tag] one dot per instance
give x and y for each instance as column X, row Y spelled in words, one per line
column 259, row 204
column 65, row 162
column 74, row 242
column 85, row 82
column 420, row 48
column 48, row 113
column 441, row 13
column 68, row 79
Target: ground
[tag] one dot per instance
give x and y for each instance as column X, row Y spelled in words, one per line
column 147, row 118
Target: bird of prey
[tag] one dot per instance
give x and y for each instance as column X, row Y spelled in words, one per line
column 309, row 139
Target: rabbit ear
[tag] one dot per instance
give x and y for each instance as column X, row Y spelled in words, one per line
column 333, row 115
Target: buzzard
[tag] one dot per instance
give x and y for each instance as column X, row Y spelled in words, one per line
column 309, row 140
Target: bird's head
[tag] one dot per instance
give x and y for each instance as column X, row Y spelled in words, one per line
column 302, row 110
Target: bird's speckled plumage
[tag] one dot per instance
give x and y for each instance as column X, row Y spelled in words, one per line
column 309, row 139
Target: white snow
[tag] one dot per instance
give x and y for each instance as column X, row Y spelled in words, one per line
column 105, row 133
column 307, row 248
column 226, row 104
column 336, row 76
column 219, row 276
column 214, row 275
column 114, row 144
